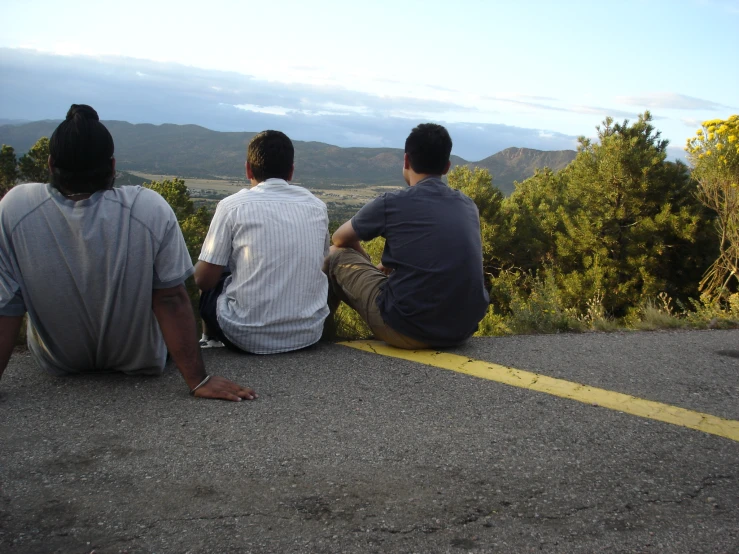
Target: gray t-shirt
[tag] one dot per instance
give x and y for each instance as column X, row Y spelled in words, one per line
column 84, row 271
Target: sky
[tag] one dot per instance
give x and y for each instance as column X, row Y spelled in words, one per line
column 522, row 73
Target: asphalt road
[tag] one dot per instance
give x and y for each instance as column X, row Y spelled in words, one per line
column 347, row 451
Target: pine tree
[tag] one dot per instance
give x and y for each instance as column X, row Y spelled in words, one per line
column 8, row 169
column 33, row 166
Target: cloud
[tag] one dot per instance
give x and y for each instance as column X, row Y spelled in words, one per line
column 595, row 110
column 35, row 86
column 538, row 98
column 670, row 101
column 692, row 123
column 219, row 86
column 274, row 110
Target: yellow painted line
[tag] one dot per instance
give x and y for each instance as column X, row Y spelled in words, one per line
column 626, row 403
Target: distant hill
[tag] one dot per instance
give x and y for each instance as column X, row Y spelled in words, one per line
column 517, row 164
column 196, row 152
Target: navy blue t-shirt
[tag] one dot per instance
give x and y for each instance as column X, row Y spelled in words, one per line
column 437, row 292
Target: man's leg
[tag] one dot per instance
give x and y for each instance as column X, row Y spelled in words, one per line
column 354, row 280
column 208, row 340
column 209, row 314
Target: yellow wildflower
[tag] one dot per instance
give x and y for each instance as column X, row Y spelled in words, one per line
column 719, row 146
column 731, row 139
column 711, row 136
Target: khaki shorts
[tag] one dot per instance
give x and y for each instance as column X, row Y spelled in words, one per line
column 354, row 280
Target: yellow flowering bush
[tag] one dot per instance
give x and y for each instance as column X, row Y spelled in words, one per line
column 714, row 154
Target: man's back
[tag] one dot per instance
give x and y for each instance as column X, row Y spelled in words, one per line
column 436, row 291
column 85, row 271
column 273, row 237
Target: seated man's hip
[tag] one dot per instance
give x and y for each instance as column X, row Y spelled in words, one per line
column 354, row 280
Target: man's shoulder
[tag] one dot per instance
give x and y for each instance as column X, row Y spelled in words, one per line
column 27, row 192
column 22, row 200
column 146, row 205
column 303, row 192
column 233, row 200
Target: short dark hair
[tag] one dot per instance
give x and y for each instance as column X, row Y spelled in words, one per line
column 428, row 147
column 271, row 156
column 81, row 151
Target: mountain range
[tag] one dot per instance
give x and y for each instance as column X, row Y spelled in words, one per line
column 191, row 151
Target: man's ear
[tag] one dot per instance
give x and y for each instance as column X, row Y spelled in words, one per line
column 51, row 164
column 448, row 165
column 249, row 172
column 112, row 163
column 292, row 172
column 406, row 162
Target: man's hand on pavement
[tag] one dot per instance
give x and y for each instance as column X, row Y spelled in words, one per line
column 223, row 389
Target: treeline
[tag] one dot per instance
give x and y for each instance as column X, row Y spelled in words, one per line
column 32, row 167
column 619, row 234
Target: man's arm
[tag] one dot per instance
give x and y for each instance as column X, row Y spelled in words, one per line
column 10, row 326
column 173, row 311
column 346, row 237
column 207, row 275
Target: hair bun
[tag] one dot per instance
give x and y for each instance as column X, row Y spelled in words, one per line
column 82, row 111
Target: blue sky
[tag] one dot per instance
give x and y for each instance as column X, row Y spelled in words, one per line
column 536, row 72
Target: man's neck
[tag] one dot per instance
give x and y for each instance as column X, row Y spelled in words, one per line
column 415, row 178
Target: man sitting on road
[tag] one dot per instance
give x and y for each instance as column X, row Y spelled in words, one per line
column 273, row 237
column 100, row 270
column 429, row 290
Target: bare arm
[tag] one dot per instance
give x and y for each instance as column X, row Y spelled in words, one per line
column 207, row 275
column 346, row 237
column 9, row 329
column 173, row 311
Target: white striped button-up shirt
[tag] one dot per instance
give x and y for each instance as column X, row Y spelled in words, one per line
column 273, row 237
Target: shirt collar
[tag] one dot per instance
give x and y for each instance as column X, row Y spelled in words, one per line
column 273, row 181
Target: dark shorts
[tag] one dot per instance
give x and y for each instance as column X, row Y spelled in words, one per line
column 209, row 312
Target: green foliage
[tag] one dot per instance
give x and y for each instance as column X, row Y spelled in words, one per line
column 194, row 223
column 542, row 310
column 493, row 325
column 33, row 166
column 653, row 314
column 477, row 183
column 620, row 221
column 533, row 219
column 348, row 325
column 8, row 169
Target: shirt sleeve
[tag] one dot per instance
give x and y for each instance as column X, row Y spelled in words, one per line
column 369, row 222
column 217, row 246
column 11, row 299
column 172, row 265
